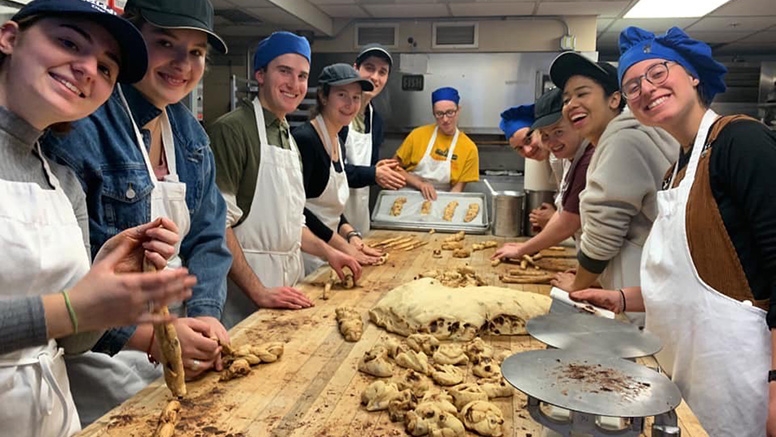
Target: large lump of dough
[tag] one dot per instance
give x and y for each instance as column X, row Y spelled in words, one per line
column 427, row 306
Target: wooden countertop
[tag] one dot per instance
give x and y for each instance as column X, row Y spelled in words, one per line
column 315, row 388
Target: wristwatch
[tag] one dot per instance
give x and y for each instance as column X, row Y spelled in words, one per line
column 771, row 375
column 352, row 234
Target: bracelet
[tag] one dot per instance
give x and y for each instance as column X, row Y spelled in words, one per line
column 622, row 295
column 70, row 311
column 352, row 234
column 151, row 358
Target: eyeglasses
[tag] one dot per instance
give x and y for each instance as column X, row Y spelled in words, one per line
column 450, row 113
column 656, row 75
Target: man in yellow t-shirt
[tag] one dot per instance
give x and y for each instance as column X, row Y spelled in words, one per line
column 439, row 156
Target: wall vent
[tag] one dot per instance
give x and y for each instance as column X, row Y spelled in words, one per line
column 455, row 35
column 382, row 33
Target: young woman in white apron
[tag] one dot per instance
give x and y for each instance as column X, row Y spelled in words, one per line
column 703, row 296
column 618, row 203
column 42, row 239
column 339, row 99
column 160, row 175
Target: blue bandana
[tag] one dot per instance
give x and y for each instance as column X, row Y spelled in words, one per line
column 516, row 118
column 445, row 93
column 277, row 44
column 637, row 45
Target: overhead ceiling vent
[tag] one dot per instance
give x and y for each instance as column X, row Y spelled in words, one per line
column 382, row 33
column 455, row 35
column 237, row 16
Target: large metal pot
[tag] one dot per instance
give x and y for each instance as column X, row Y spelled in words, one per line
column 533, row 200
column 507, row 213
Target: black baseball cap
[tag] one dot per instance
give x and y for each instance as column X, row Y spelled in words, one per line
column 569, row 64
column 343, row 74
column 374, row 49
column 180, row 14
column 133, row 56
column 548, row 109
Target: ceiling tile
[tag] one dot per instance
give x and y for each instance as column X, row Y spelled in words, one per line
column 657, row 25
column 732, row 24
column 751, row 8
column 343, row 11
column 762, row 37
column 491, row 9
column 606, row 9
column 407, row 10
column 276, row 16
column 712, row 37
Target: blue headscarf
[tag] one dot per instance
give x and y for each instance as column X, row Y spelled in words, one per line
column 445, row 93
column 637, row 45
column 277, row 44
column 516, row 118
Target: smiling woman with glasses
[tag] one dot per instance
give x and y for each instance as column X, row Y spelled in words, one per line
column 439, row 156
column 709, row 266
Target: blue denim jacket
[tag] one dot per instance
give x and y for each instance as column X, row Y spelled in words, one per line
column 102, row 150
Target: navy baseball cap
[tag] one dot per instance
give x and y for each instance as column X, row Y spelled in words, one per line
column 133, row 56
column 569, row 64
column 374, row 49
column 180, row 14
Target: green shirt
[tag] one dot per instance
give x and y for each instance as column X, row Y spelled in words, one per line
column 237, row 150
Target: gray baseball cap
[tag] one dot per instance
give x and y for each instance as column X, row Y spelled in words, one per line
column 343, row 74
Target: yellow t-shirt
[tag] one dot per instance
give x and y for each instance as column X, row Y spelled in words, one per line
column 465, row 164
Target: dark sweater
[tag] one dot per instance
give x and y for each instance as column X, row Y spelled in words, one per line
column 741, row 171
column 315, row 172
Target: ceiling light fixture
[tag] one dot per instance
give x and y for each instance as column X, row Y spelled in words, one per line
column 673, row 8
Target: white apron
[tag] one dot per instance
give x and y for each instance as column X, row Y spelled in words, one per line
column 101, row 382
column 43, row 252
column 437, row 172
column 330, row 205
column 717, row 349
column 270, row 236
column 358, row 151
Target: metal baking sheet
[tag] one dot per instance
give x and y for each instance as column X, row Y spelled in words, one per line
column 592, row 384
column 594, row 334
column 412, row 219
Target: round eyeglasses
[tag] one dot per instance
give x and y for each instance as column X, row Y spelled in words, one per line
column 656, row 75
column 449, row 113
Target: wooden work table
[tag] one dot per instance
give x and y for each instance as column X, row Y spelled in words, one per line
column 315, row 388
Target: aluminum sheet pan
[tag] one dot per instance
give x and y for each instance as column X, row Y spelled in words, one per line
column 411, row 218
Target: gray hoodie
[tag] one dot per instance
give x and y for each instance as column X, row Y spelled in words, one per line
column 625, row 172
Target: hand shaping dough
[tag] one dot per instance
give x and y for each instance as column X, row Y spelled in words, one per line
column 415, row 308
column 468, row 392
column 236, row 369
column 450, row 353
column 375, row 363
column 471, row 212
column 378, row 394
column 447, row 374
column 483, row 418
column 428, row 419
column 417, row 361
column 350, row 324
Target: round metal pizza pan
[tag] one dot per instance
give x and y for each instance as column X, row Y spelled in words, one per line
column 589, row 383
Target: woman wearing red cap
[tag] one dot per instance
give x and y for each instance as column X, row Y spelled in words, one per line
column 709, row 265
column 60, row 61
